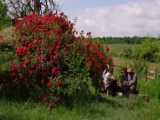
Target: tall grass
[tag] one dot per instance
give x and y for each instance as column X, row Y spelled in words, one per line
column 101, row 109
column 150, row 88
column 5, row 58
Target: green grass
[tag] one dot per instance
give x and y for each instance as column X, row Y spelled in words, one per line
column 117, row 49
column 97, row 108
column 150, row 87
column 5, row 59
column 134, row 108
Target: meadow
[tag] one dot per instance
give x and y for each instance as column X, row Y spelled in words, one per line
column 144, row 106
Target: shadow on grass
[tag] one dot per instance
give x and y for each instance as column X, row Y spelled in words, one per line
column 8, row 89
column 94, row 106
column 70, row 102
column 2, row 117
column 86, row 103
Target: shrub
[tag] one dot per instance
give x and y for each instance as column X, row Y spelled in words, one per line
column 127, row 52
column 148, row 50
column 4, row 19
column 49, row 56
column 150, row 88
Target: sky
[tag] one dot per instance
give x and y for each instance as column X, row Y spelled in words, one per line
column 114, row 17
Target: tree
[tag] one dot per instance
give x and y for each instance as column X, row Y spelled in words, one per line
column 20, row 8
column 4, row 19
column 3, row 9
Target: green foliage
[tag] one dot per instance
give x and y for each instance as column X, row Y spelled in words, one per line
column 127, row 52
column 149, row 50
column 75, row 62
column 122, row 40
column 6, row 55
column 22, row 8
column 140, row 66
column 150, row 88
column 78, row 79
column 4, row 19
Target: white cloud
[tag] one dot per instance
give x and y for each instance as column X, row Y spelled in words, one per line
column 130, row 19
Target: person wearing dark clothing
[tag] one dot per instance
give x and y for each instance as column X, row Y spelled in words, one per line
column 130, row 81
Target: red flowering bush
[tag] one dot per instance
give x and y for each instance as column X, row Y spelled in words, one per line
column 96, row 59
column 49, row 55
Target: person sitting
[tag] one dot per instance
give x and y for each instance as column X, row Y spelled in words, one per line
column 130, row 81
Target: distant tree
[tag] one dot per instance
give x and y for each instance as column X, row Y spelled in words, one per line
column 20, row 8
column 3, row 9
column 4, row 19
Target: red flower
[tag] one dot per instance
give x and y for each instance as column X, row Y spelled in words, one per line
column 13, row 68
column 33, row 66
column 21, row 51
column 56, row 71
column 110, row 58
column 30, row 45
column 57, row 58
column 38, row 58
column 21, row 77
column 42, row 58
column 59, row 83
column 22, row 65
column 24, row 50
column 100, row 55
column 107, row 49
column 53, row 94
column 30, row 72
column 49, row 83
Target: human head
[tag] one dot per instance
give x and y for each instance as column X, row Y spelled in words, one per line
column 129, row 70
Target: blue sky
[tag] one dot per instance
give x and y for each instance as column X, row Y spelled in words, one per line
column 115, row 17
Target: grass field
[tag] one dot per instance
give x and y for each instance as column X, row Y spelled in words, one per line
column 144, row 106
column 120, row 48
column 108, row 108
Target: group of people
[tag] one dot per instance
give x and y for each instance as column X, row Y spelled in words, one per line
column 126, row 86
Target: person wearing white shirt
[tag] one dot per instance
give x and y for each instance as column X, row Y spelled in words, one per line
column 108, row 80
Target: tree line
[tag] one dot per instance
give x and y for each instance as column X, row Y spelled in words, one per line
column 122, row 40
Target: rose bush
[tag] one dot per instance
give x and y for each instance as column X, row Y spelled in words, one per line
column 50, row 53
